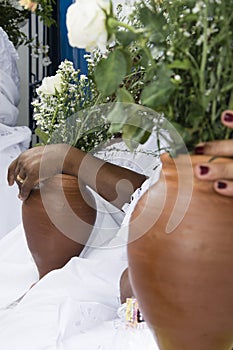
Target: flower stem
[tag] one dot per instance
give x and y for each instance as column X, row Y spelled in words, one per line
column 114, row 23
column 217, row 84
column 204, row 57
column 81, row 129
column 149, row 55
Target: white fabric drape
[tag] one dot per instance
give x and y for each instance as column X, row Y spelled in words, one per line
column 75, row 307
column 9, row 81
column 13, row 140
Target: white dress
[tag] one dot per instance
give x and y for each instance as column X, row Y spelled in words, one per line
column 13, row 140
column 9, row 81
column 75, row 307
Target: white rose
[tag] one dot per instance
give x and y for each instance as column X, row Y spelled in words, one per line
column 86, row 24
column 50, row 85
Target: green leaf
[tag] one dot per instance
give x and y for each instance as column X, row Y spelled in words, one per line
column 178, row 64
column 150, row 74
column 150, row 19
column 110, row 72
column 137, row 128
column 128, row 59
column 133, row 121
column 157, row 93
column 133, row 136
column 123, row 95
column 117, row 117
column 42, row 135
column 125, row 37
column 143, row 61
column 156, row 24
column 227, row 87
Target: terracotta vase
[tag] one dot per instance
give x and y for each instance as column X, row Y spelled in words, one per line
column 182, row 276
column 57, row 221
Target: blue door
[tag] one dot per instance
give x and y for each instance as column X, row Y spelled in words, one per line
column 72, row 54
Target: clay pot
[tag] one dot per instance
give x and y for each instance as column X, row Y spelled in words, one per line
column 57, row 221
column 183, row 279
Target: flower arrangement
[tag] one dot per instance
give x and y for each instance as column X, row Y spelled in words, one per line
column 174, row 57
column 59, row 99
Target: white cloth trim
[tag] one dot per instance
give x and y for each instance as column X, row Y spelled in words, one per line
column 11, row 136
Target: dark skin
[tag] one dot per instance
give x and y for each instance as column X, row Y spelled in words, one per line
column 114, row 183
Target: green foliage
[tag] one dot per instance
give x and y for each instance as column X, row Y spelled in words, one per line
column 45, row 11
column 115, row 68
column 174, row 57
column 130, row 119
column 11, row 21
column 181, row 64
column 13, row 18
column 126, row 37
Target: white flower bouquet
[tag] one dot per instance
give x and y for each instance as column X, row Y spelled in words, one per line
column 61, row 110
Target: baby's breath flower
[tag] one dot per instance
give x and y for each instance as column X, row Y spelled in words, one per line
column 177, row 77
column 198, row 7
column 46, row 61
column 186, row 34
column 200, row 40
column 60, row 97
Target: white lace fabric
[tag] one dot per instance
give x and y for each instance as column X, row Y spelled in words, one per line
column 8, row 57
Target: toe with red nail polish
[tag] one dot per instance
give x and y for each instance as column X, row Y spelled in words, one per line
column 222, row 185
column 204, row 170
column 228, row 117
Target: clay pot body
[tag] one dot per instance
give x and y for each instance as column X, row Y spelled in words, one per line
column 183, row 280
column 57, row 221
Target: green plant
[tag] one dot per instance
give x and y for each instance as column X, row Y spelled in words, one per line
column 14, row 14
column 181, row 52
column 174, row 57
column 12, row 19
column 42, row 8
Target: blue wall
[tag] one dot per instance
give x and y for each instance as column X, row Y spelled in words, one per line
column 72, row 54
